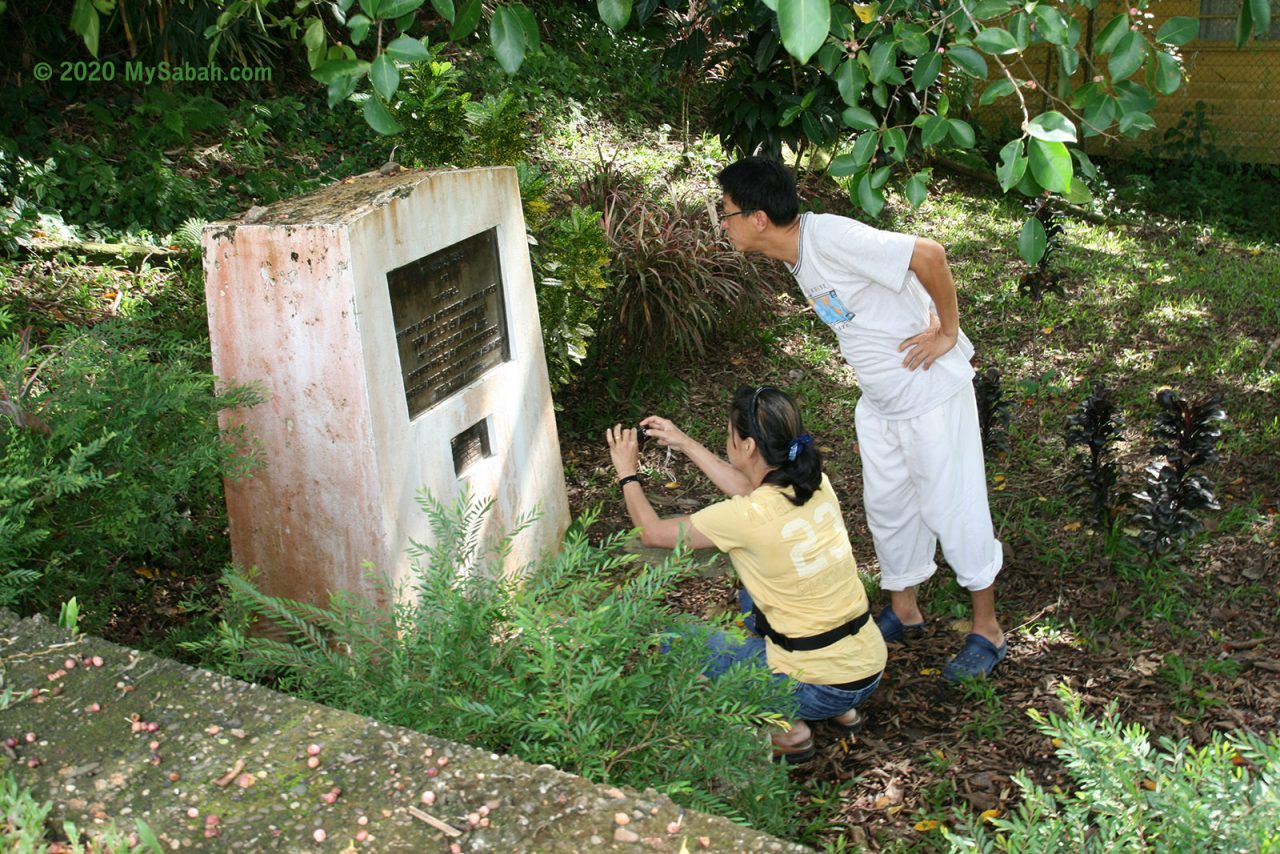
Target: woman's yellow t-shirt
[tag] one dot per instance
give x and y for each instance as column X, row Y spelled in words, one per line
column 797, row 564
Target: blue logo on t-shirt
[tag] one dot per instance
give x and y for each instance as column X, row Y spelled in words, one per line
column 830, row 309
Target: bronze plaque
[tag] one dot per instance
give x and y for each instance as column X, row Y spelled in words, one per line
column 450, row 319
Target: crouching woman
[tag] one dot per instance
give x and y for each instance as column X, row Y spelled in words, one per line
column 785, row 536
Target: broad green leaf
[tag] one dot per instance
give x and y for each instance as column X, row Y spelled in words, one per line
column 1179, row 30
column 1020, row 29
column 1028, row 186
column 376, row 114
column 1168, row 74
column 370, row 7
column 990, row 9
column 996, row 41
column 1074, row 31
column 1079, row 193
column 506, row 34
column 880, row 177
column 1244, row 24
column 1084, row 164
column 1050, row 164
column 871, row 199
column 859, row 119
column 765, row 51
column 1134, row 97
column 1128, row 56
column 883, row 57
column 1013, row 164
column 842, row 27
column 961, row 133
column 1133, row 124
column 1111, row 34
column 865, row 148
column 996, row 90
column 84, row 21
column 842, row 166
column 1032, row 241
column 335, row 68
column 772, row 4
column 464, row 23
column 359, row 25
column 880, row 94
column 913, row 40
column 1053, row 26
column 969, row 61
column 1261, row 12
column 615, row 13
column 926, row 70
column 790, row 114
column 812, row 128
column 917, row 189
column 408, row 49
column 340, row 89
column 444, row 8
column 1069, row 60
column 829, row 57
column 850, row 81
column 804, row 25
column 398, row 8
column 895, row 143
column 529, row 24
column 935, row 130
column 1099, row 115
column 314, row 37
column 384, row 77
column 1053, row 127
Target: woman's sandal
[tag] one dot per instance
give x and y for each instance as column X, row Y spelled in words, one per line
column 794, row 754
column 850, row 728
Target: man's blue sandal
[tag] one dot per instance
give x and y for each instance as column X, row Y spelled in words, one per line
column 895, row 630
column 978, row 658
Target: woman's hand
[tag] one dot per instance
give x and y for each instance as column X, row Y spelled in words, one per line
column 624, row 449
column 667, row 434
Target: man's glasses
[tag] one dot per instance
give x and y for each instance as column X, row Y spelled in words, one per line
column 724, row 216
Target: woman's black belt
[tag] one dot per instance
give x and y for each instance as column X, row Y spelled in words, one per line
column 811, row 642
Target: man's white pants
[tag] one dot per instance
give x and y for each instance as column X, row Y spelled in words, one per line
column 924, row 482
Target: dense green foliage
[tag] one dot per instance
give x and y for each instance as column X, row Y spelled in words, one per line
column 579, row 665
column 24, row 826
column 1131, row 795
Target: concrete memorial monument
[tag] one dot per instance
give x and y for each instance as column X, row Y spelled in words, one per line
column 393, row 324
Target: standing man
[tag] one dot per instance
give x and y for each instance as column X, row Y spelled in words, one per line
column 917, row 420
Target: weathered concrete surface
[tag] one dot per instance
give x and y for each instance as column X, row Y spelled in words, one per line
column 239, row 752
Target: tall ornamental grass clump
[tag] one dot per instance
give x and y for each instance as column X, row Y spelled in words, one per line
column 578, row 665
column 1131, row 795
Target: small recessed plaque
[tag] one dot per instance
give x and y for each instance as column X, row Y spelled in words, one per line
column 450, row 319
column 470, row 447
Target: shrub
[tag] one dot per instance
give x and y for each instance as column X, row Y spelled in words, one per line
column 432, row 108
column 676, row 284
column 499, row 131
column 23, row 826
column 563, row 668
column 112, row 459
column 1187, row 433
column 1096, row 427
column 1131, row 796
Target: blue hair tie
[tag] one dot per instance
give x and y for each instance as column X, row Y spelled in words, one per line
column 798, row 443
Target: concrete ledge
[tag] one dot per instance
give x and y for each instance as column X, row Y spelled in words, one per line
column 215, row 764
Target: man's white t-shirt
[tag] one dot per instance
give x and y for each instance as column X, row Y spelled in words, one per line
column 857, row 280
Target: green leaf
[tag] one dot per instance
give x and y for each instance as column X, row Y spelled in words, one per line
column 1069, row 60
column 1128, row 55
column 1050, row 164
column 895, row 143
column 314, row 37
column 917, row 189
column 871, row 199
column 995, row 91
column 1168, row 74
column 1079, row 193
column 408, row 49
column 85, row 23
column 842, row 166
column 812, row 128
column 359, row 26
column 398, row 8
column 376, row 114
column 1261, row 12
column 935, row 130
column 1133, row 124
column 384, row 77
column 850, row 81
column 913, row 40
column 883, row 58
column 996, row 41
column 859, row 119
column 340, row 89
column 991, row 9
column 804, row 25
column 335, row 68
column 1053, row 127
column 1111, row 34
column 1179, row 30
column 1134, row 97
column 961, row 133
column 969, row 61
column 1083, row 164
column 880, row 177
column 614, row 13
column 1020, row 29
column 1244, row 24
column 865, row 148
column 370, row 7
column 444, row 8
column 1099, row 115
column 464, row 24
column 926, row 70
column 1053, row 26
column 829, row 56
column 1013, row 164
column 1032, row 241
column 1028, row 186
column 506, row 34
column 532, row 38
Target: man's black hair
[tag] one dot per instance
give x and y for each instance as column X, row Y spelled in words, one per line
column 762, row 184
